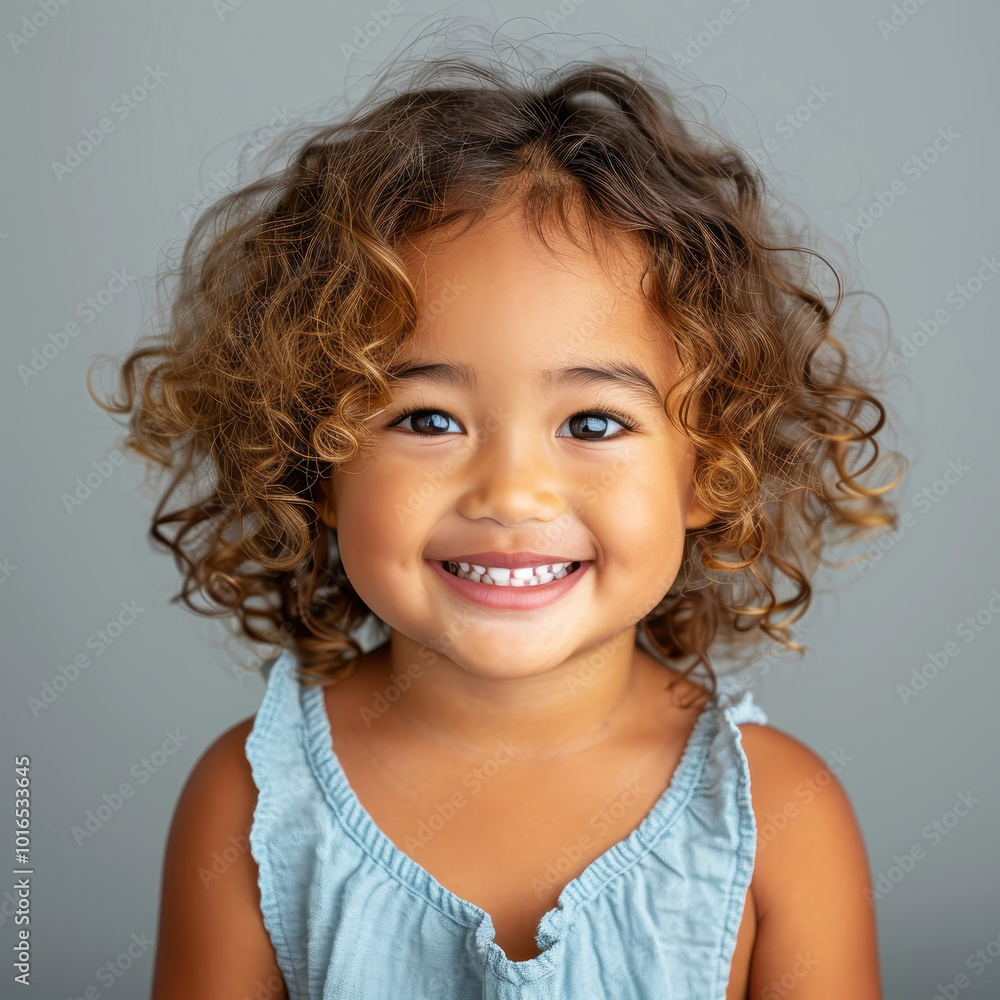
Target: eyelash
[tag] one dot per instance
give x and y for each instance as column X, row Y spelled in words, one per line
column 627, row 422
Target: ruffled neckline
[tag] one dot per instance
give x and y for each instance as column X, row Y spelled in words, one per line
column 362, row 828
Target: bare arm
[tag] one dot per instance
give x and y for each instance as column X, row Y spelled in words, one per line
column 816, row 931
column 211, row 942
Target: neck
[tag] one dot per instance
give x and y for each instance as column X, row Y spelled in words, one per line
column 590, row 697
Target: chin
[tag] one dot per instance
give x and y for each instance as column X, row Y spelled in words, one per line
column 499, row 663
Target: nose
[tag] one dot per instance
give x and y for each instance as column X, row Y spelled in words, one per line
column 510, row 480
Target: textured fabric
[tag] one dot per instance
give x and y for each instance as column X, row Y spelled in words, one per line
column 353, row 917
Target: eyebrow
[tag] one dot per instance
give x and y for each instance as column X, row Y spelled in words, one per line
column 620, row 374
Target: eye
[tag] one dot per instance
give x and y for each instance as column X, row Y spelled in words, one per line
column 426, row 423
column 590, row 425
column 595, row 423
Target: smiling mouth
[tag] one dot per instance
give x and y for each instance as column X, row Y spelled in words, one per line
column 528, row 576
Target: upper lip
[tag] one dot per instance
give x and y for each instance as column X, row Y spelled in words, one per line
column 510, row 560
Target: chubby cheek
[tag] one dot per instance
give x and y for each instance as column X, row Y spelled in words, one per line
column 642, row 537
column 379, row 537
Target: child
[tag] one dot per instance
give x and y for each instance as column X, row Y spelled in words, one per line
column 519, row 373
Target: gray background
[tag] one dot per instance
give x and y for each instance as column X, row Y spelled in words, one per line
column 65, row 572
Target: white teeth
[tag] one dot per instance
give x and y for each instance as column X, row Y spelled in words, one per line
column 519, row 576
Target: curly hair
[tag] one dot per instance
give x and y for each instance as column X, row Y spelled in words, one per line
column 292, row 304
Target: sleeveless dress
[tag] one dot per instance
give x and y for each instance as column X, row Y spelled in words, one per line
column 352, row 917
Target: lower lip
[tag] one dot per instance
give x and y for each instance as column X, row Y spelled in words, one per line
column 526, row 598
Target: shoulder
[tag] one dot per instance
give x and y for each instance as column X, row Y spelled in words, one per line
column 210, row 917
column 811, row 883
column 225, row 757
column 219, row 795
column 802, row 812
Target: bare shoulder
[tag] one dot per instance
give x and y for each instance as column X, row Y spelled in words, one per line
column 211, row 939
column 811, row 882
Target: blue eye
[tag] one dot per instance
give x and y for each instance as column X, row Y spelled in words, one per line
column 435, row 423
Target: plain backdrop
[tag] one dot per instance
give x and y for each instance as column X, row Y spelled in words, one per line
column 852, row 108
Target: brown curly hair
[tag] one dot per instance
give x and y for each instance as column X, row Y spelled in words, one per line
column 292, row 304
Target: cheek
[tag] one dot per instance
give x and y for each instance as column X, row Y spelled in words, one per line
column 367, row 523
column 381, row 513
column 651, row 526
column 381, row 531
column 643, row 526
column 646, row 496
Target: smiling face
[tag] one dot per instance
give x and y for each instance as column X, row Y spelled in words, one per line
column 512, row 460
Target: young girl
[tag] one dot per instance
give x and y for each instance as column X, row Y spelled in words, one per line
column 523, row 374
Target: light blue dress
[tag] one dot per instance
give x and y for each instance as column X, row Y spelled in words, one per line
column 352, row 917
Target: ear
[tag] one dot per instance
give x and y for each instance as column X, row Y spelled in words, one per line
column 324, row 506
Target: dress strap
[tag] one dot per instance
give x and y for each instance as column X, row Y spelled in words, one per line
column 738, row 702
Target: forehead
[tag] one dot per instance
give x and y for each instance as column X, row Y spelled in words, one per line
column 496, row 293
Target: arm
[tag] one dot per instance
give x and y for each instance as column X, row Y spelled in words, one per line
column 211, row 942
column 814, row 923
